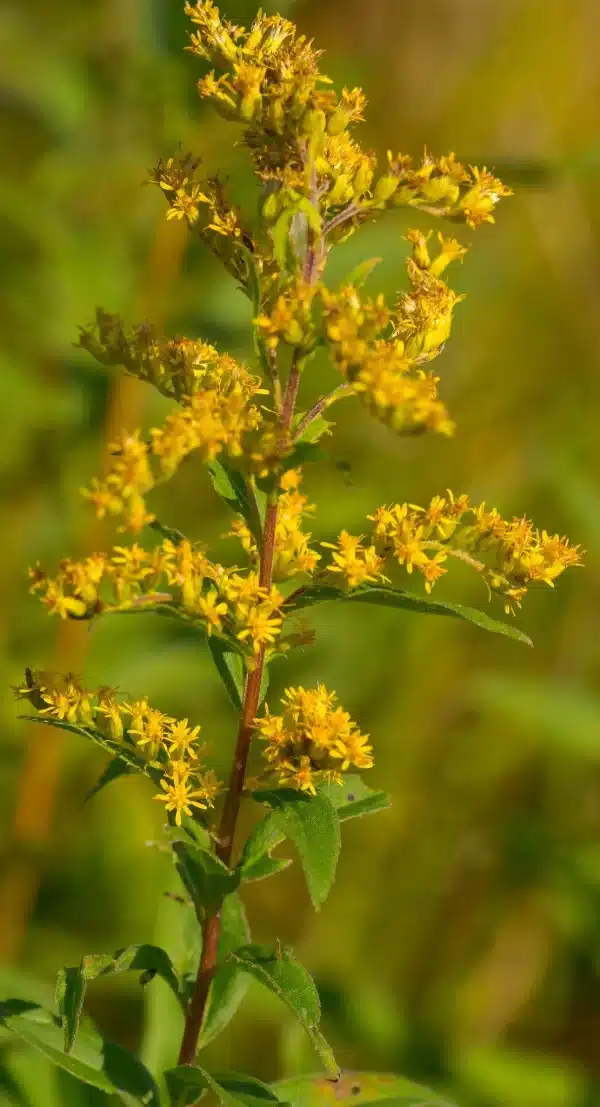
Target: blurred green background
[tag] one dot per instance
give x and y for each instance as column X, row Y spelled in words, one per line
column 461, row 943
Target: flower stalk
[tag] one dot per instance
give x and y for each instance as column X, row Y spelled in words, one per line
column 211, row 928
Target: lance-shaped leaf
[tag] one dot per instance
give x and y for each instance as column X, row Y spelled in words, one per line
column 283, row 975
column 229, row 985
column 204, row 875
column 11, row 1091
column 383, row 596
column 283, row 230
column 187, row 1084
column 174, row 536
column 127, row 754
column 361, row 272
column 94, row 1060
column 230, row 667
column 115, row 769
column 353, row 798
column 234, row 489
column 312, row 824
column 362, row 1088
column 256, row 862
column 253, row 288
column 72, row 982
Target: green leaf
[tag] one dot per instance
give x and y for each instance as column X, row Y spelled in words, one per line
column 282, row 229
column 72, row 982
column 290, row 982
column 186, row 1085
column 266, row 866
column 94, row 1060
column 233, row 488
column 280, row 234
column 205, row 877
column 311, row 823
column 361, row 272
column 71, row 987
column 256, row 862
column 127, row 753
column 264, row 684
column 230, row 667
column 116, row 768
column 354, row 798
column 253, row 290
column 311, row 211
column 10, row 1089
column 247, row 1089
column 174, row 536
column 314, row 430
column 381, row 595
column 59, row 724
column 229, row 985
column 360, row 1088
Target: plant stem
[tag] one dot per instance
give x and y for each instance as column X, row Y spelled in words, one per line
column 291, row 391
column 211, row 927
column 212, row 924
column 195, row 1012
column 342, row 216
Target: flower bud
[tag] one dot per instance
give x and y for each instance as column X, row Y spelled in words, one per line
column 313, row 123
column 275, row 116
column 363, row 178
column 337, row 122
column 341, row 191
column 385, row 188
column 250, row 107
column 440, row 188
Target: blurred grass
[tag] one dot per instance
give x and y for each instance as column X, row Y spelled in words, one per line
column 461, row 944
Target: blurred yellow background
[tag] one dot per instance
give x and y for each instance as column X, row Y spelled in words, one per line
column 461, row 943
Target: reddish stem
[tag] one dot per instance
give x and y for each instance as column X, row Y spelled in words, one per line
column 195, row 1012
column 212, row 924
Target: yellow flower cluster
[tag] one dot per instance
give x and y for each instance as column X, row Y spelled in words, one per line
column 213, row 419
column 380, row 350
column 509, row 554
column 293, row 555
column 272, row 84
column 203, row 204
column 224, row 600
column 297, row 129
column 423, row 317
column 177, row 367
column 313, row 740
column 357, row 563
column 290, row 318
column 442, row 186
column 167, row 745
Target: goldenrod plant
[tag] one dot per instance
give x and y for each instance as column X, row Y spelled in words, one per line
column 297, row 762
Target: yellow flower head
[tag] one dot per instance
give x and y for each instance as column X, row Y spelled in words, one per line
column 312, row 740
column 182, row 791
